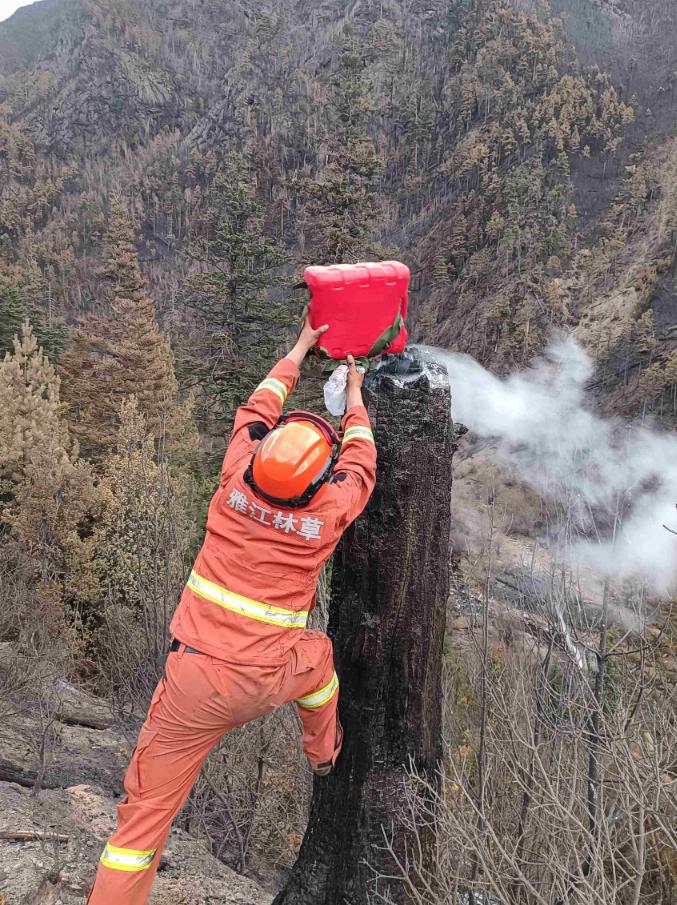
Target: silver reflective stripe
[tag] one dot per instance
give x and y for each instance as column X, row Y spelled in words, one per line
column 275, row 386
column 359, row 432
column 243, row 606
column 318, row 698
column 127, row 859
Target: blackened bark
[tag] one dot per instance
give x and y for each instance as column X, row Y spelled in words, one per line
column 389, row 590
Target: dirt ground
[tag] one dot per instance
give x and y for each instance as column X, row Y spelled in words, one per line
column 60, row 872
column 82, row 784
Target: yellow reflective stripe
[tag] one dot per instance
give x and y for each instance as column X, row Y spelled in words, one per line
column 128, row 859
column 359, row 432
column 275, row 386
column 243, row 606
column 318, row 698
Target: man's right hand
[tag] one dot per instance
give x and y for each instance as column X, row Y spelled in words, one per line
column 355, row 377
column 354, row 384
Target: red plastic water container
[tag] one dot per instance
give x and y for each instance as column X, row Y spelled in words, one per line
column 361, row 303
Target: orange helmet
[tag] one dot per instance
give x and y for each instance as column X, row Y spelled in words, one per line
column 294, row 460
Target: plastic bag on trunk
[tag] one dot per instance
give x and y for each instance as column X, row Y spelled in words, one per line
column 335, row 391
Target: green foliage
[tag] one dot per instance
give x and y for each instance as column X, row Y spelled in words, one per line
column 51, row 333
column 120, row 352
column 523, row 110
column 240, row 325
column 134, row 533
column 342, row 206
column 141, row 549
column 52, row 336
column 48, row 494
column 12, row 315
column 29, row 184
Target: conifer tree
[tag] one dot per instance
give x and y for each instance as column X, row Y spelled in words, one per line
column 36, row 294
column 118, row 352
column 47, row 490
column 133, row 483
column 142, row 544
column 343, row 206
column 142, row 357
column 239, row 324
column 13, row 312
column 12, row 315
column 30, row 416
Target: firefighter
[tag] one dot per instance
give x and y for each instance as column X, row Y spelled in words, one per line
column 289, row 487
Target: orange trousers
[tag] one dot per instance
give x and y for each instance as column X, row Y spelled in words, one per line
column 198, row 699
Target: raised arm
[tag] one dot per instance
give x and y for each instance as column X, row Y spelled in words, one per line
column 355, row 473
column 263, row 408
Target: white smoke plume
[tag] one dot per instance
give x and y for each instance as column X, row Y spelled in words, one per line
column 605, row 472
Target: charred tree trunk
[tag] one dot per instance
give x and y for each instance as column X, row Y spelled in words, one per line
column 389, row 590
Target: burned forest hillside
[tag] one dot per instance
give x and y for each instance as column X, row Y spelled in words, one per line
column 167, row 171
column 489, row 144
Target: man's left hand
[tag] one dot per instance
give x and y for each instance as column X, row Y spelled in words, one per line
column 308, row 336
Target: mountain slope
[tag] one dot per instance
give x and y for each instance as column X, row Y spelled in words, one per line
column 131, row 94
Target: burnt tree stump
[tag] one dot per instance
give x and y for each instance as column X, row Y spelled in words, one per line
column 387, row 616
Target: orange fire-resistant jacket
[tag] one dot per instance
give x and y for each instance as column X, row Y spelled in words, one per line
column 253, row 583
